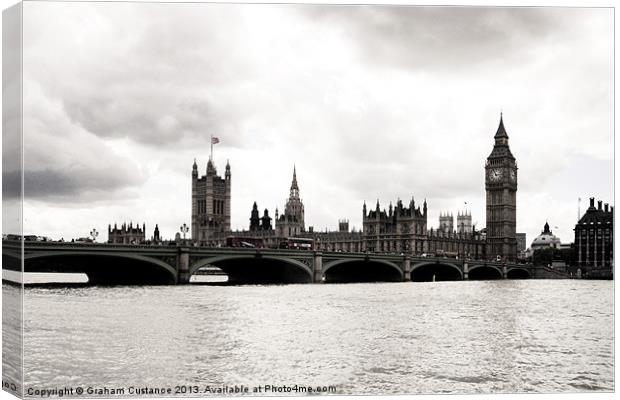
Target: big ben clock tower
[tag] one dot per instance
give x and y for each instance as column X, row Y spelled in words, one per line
column 501, row 188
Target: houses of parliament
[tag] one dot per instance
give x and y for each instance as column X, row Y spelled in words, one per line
column 401, row 228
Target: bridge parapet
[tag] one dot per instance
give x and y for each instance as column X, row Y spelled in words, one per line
column 183, row 261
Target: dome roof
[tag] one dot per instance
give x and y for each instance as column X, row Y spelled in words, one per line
column 545, row 239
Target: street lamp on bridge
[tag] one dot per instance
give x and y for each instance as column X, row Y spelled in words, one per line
column 94, row 234
column 184, row 229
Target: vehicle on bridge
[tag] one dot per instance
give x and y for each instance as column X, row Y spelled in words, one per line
column 447, row 254
column 11, row 236
column 238, row 241
column 27, row 238
column 297, row 244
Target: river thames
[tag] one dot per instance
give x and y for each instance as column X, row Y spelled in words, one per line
column 381, row 338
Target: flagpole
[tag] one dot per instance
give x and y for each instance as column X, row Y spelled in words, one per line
column 211, row 156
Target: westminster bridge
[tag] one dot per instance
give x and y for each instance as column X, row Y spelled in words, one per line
column 175, row 264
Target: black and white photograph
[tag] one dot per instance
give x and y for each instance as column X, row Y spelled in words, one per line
column 243, row 199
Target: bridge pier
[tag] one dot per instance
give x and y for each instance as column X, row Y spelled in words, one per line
column 406, row 269
column 318, row 267
column 183, row 275
column 465, row 271
column 504, row 272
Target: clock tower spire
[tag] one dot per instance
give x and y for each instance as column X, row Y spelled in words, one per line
column 501, row 201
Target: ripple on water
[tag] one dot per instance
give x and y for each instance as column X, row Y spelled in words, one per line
column 443, row 337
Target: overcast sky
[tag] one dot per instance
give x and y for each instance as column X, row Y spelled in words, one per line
column 369, row 102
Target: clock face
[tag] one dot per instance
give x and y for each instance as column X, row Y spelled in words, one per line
column 495, row 175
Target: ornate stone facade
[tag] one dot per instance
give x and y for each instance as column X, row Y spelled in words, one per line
column 456, row 244
column 345, row 241
column 210, row 205
column 404, row 230
column 501, row 198
column 399, row 230
column 126, row 234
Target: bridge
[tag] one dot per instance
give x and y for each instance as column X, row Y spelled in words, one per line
column 111, row 264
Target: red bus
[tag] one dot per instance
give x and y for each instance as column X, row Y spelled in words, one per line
column 297, row 244
column 239, row 241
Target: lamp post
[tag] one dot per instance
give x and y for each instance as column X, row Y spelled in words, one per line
column 184, row 229
column 94, row 234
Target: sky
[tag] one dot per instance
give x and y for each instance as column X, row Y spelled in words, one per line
column 368, row 102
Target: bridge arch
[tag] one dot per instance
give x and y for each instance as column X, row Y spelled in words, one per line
column 104, row 268
column 11, row 260
column 440, row 270
column 483, row 272
column 518, row 273
column 257, row 268
column 349, row 270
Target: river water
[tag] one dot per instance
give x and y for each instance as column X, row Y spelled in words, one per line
column 380, row 338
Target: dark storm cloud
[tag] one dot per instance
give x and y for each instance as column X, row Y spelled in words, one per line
column 127, row 116
column 65, row 186
column 63, row 161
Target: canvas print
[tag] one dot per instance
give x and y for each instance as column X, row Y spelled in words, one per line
column 219, row 199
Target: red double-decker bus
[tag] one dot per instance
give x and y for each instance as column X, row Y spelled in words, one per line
column 248, row 242
column 297, row 244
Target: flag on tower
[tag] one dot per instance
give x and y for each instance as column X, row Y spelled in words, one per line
column 214, row 140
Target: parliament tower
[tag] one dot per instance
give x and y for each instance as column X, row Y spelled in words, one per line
column 291, row 222
column 210, row 205
column 501, row 191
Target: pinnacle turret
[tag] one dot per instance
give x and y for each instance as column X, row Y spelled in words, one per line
column 294, row 186
column 501, row 149
column 501, row 131
column 294, row 182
